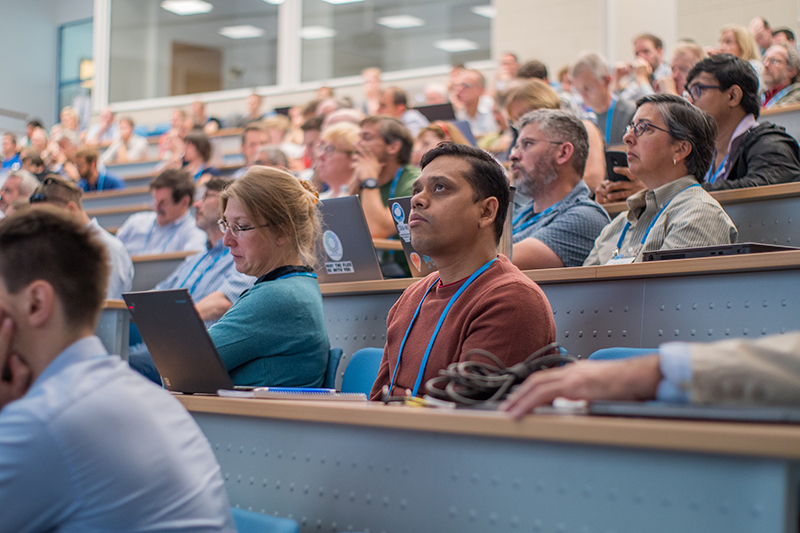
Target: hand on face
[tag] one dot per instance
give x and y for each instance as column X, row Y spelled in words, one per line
column 366, row 164
column 15, row 378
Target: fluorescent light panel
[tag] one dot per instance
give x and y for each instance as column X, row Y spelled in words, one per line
column 339, row 2
column 274, row 2
column 398, row 22
column 316, row 32
column 485, row 11
column 241, row 32
column 456, row 45
column 186, row 7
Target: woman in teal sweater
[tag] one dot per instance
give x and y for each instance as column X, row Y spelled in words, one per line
column 274, row 335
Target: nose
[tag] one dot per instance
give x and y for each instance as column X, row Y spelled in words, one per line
column 228, row 239
column 629, row 138
column 514, row 155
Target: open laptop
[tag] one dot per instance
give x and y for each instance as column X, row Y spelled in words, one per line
column 421, row 265
column 347, row 252
column 713, row 251
column 437, row 111
column 178, row 341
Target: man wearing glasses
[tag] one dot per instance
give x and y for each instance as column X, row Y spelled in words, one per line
column 746, row 154
column 558, row 224
column 254, row 137
column 781, row 69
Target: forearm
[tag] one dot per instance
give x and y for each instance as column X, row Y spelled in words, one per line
column 379, row 219
column 213, row 306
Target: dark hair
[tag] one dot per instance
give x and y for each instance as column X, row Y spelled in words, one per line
column 650, row 37
column 217, row 184
column 176, row 179
column 486, row 176
column 33, row 157
column 49, row 244
column 533, row 69
column 200, row 141
column 393, row 130
column 729, row 71
column 90, row 155
column 37, row 122
column 786, row 31
column 54, row 188
column 685, row 122
column 398, row 95
column 312, row 124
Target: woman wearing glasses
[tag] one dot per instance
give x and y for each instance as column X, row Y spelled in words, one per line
column 670, row 145
column 335, row 159
column 274, row 335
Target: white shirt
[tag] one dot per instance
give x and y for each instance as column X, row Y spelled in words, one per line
column 137, row 149
column 93, row 446
column 121, row 276
column 141, row 235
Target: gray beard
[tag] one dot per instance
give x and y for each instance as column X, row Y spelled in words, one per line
column 531, row 186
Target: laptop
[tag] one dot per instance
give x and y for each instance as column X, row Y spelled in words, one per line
column 437, row 112
column 421, row 265
column 347, row 252
column 178, row 341
column 713, row 251
column 695, row 412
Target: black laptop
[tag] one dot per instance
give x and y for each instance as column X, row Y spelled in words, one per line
column 713, row 251
column 421, row 265
column 178, row 341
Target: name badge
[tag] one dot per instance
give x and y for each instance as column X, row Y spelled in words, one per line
column 621, row 260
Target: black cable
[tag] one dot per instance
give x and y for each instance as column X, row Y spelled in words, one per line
column 473, row 382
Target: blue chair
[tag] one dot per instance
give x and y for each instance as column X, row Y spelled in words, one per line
column 250, row 522
column 334, row 356
column 361, row 371
column 620, row 353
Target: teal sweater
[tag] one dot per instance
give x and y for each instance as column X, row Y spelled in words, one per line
column 274, row 335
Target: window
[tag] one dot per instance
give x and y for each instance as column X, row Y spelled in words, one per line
column 75, row 69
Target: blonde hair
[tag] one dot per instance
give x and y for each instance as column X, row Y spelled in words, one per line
column 690, row 48
column 275, row 198
column 278, row 122
column 745, row 40
column 343, row 133
column 446, row 131
column 535, row 94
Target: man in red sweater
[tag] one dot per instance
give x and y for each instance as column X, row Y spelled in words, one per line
column 478, row 299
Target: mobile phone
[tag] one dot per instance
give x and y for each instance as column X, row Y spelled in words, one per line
column 616, row 159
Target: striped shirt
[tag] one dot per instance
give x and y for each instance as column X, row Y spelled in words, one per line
column 141, row 235
column 691, row 218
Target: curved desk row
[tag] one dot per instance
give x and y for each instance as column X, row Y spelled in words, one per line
column 343, row 467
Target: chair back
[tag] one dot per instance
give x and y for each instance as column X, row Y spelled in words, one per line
column 620, row 353
column 334, row 356
column 361, row 371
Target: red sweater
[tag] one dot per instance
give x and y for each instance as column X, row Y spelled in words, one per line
column 502, row 311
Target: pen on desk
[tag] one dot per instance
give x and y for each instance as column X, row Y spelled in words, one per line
column 297, row 390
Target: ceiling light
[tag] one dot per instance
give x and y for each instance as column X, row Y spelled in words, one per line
column 485, row 11
column 338, row 2
column 186, row 7
column 274, row 2
column 241, row 32
column 398, row 22
column 456, row 45
column 316, row 32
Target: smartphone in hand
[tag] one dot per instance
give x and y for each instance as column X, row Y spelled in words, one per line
column 616, row 159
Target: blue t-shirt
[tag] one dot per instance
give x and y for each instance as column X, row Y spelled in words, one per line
column 104, row 183
column 12, row 163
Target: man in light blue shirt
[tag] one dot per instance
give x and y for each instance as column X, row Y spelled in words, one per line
column 85, row 443
column 170, row 228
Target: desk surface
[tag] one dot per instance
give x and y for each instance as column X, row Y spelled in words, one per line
column 763, row 440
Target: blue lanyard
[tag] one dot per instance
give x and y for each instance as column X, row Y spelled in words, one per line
column 438, row 325
column 199, row 173
column 147, row 239
column 610, row 118
column 531, row 221
column 100, row 182
column 197, row 281
column 711, row 175
column 652, row 223
column 393, row 188
column 290, row 274
column 775, row 97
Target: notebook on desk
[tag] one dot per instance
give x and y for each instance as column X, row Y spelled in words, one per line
column 347, row 252
column 182, row 350
column 421, row 265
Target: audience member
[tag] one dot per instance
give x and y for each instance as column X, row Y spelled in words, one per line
column 393, row 103
column 648, row 68
column 783, row 35
column 336, row 159
column 736, row 40
column 10, row 156
column 198, row 116
column 435, row 94
column 274, row 334
column 196, row 157
column 592, row 79
column 127, row 147
column 761, row 32
column 278, row 128
column 477, row 300
column 685, row 55
column 432, row 135
column 353, row 116
column 670, row 144
column 272, row 156
column 62, row 193
column 92, row 179
column 70, row 412
column 533, row 69
column 33, row 163
column 557, row 227
column 469, row 89
column 18, row 184
column 254, row 136
column 747, row 153
column 170, row 228
column 781, row 68
column 62, row 154
column 69, row 119
column 176, row 129
column 371, row 90
column 254, row 113
column 39, row 142
column 30, row 126
column 104, row 131
column 507, row 70
column 311, row 133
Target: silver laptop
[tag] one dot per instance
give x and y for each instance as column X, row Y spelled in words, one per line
column 347, row 252
column 178, row 341
column 421, row 265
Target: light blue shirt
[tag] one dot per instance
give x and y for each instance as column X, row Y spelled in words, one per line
column 207, row 272
column 141, row 235
column 93, row 446
column 121, row 276
column 675, row 363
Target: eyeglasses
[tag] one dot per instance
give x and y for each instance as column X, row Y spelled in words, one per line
column 696, row 91
column 330, row 149
column 523, row 145
column 236, row 231
column 640, row 127
column 774, row 61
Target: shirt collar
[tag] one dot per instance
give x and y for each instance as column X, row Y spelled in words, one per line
column 80, row 350
column 282, row 271
column 747, row 122
column 638, row 203
column 176, row 222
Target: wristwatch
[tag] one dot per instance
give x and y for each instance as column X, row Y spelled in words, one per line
column 369, row 183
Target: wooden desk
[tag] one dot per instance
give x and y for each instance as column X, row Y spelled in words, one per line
column 787, row 116
column 149, row 270
column 113, row 327
column 337, row 467
column 387, row 244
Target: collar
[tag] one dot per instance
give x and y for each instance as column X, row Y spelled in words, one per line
column 282, row 271
column 176, row 222
column 638, row 203
column 579, row 190
column 77, row 352
column 747, row 122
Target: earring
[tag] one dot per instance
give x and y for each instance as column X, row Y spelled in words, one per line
column 675, row 162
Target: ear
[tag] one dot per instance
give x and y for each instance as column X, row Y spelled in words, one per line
column 185, row 202
column 489, row 208
column 564, row 154
column 682, row 151
column 38, row 303
column 394, row 147
column 735, row 94
column 72, row 207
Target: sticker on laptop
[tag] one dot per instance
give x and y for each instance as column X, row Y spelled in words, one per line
column 340, row 267
column 399, row 216
column 333, row 246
